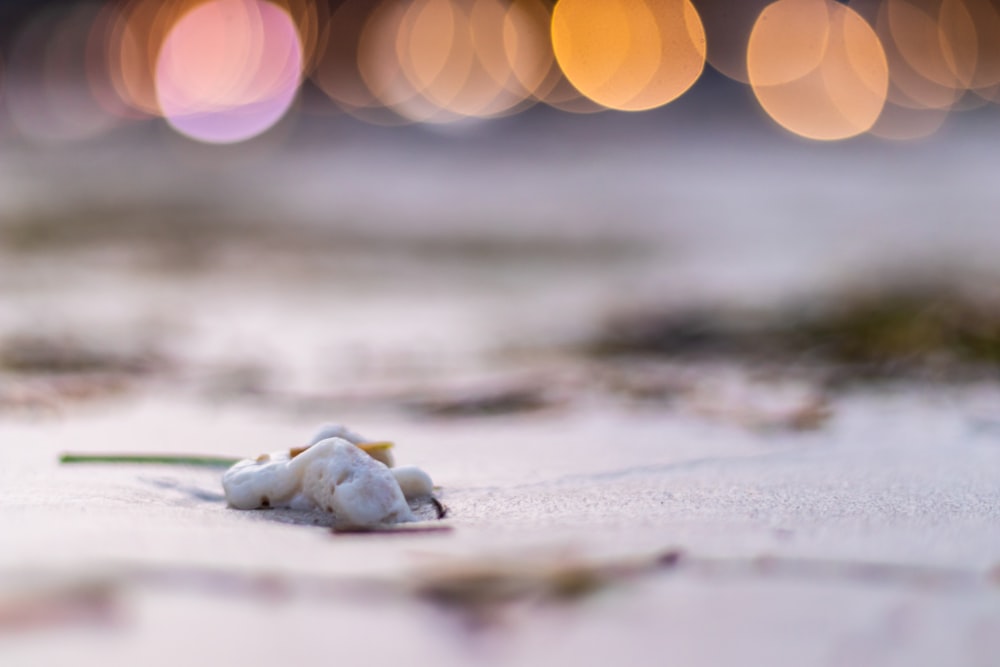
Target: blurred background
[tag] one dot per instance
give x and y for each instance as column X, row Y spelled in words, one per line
column 239, row 180
column 227, row 71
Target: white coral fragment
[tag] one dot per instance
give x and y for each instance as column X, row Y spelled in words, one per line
column 383, row 454
column 413, row 481
column 333, row 475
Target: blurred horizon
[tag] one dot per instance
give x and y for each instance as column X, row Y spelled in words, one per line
column 702, row 198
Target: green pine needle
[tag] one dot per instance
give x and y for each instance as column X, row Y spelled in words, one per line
column 158, row 459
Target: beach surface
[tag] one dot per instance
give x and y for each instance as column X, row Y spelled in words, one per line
column 436, row 292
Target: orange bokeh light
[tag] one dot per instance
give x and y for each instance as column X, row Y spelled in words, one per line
column 629, row 55
column 133, row 44
column 933, row 52
column 439, row 61
column 817, row 68
column 379, row 65
column 939, row 49
column 337, row 72
column 527, row 46
column 728, row 24
column 221, row 70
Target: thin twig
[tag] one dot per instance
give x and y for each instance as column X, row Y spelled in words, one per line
column 395, row 529
column 158, row 459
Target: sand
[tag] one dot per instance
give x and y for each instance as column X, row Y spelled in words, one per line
column 586, row 525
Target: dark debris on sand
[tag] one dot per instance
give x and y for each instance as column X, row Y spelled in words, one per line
column 901, row 329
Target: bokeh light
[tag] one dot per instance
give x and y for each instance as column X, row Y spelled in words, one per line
column 728, row 24
column 439, row 61
column 337, row 73
column 134, row 42
column 453, row 55
column 916, row 106
column 381, row 70
column 528, row 48
column 562, row 95
column 228, row 70
column 309, row 17
column 935, row 39
column 629, row 55
column 939, row 49
column 985, row 16
column 906, row 123
column 103, row 64
column 223, row 71
column 52, row 77
column 910, row 88
column 817, row 68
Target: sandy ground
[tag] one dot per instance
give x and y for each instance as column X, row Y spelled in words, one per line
column 698, row 524
column 871, row 541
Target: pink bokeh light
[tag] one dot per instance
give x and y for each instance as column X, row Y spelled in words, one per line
column 229, row 70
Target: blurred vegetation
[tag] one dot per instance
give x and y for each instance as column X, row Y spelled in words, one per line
column 900, row 328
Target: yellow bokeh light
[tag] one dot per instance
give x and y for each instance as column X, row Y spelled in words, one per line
column 843, row 92
column 682, row 57
column 528, row 44
column 608, row 49
column 629, row 55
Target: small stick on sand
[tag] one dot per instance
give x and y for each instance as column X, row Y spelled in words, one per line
column 158, row 459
